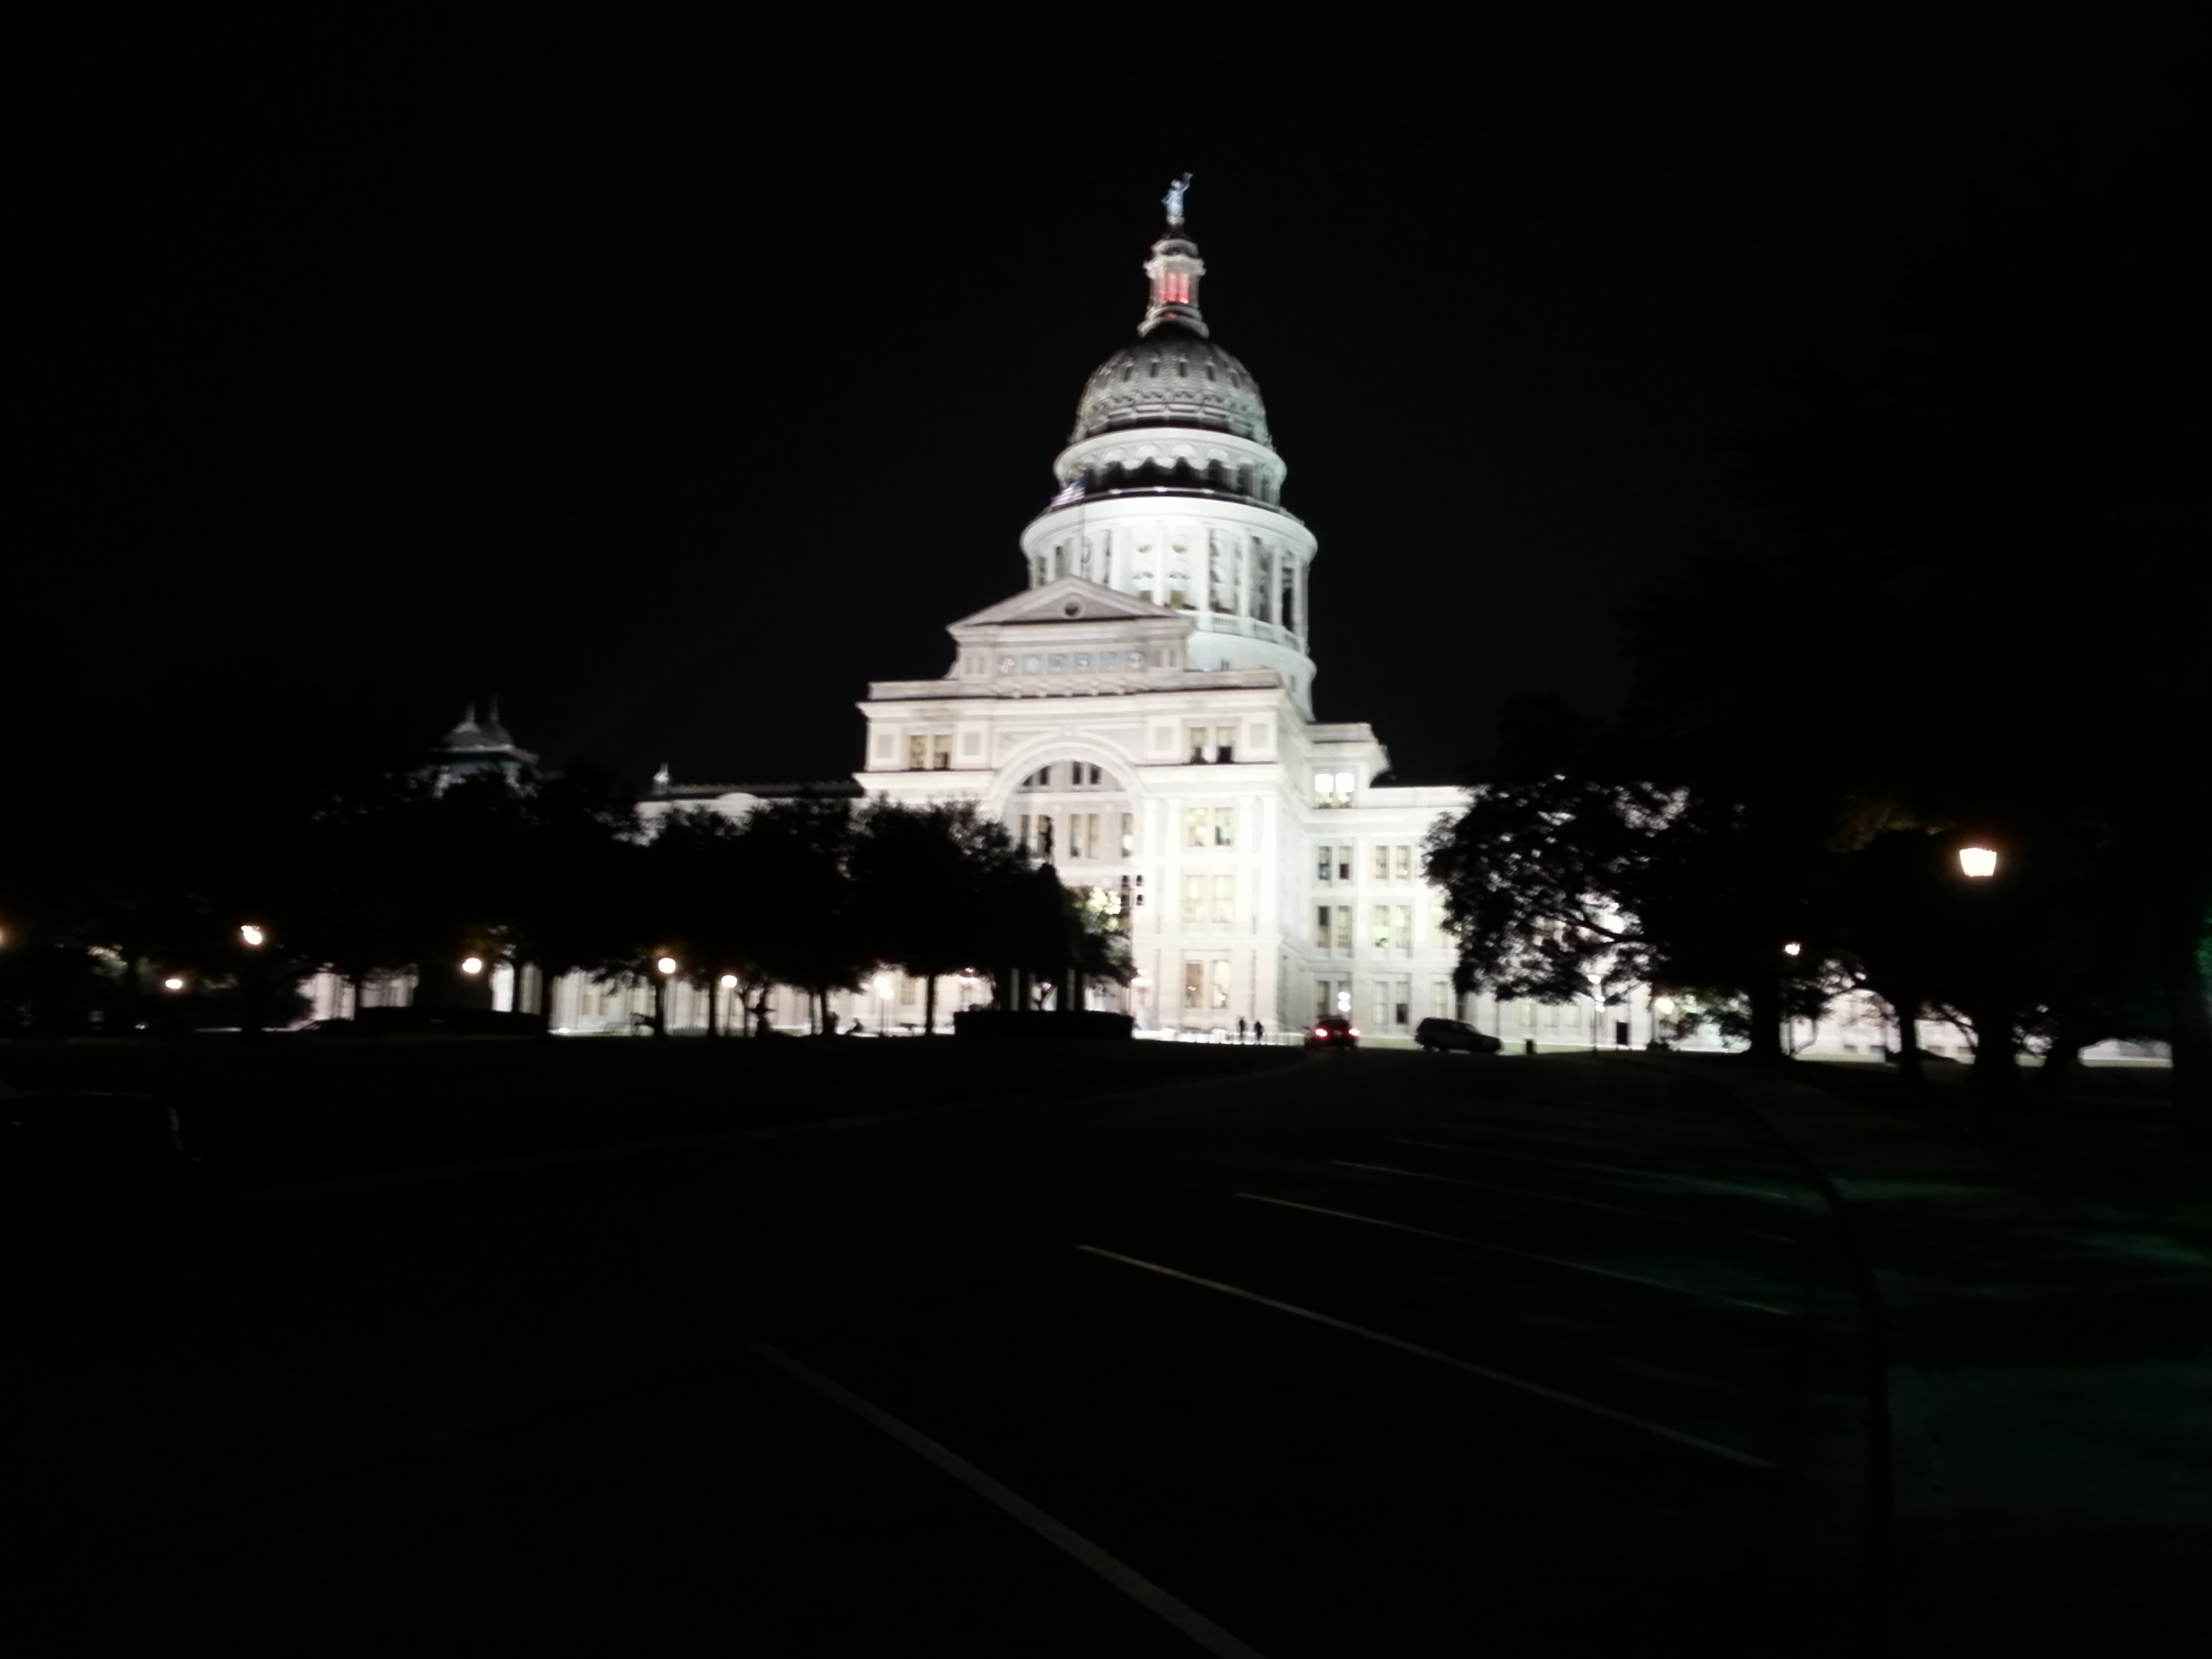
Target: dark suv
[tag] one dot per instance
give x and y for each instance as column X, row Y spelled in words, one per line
column 1332, row 1032
column 1434, row 1035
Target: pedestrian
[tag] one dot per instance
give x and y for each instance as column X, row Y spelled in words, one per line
column 1243, row 1031
column 1259, row 1032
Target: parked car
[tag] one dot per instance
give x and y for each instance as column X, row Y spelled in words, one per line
column 1436, row 1035
column 1332, row 1032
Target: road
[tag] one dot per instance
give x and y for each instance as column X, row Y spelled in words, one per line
column 1375, row 1354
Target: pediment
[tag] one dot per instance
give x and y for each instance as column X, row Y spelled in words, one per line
column 1071, row 599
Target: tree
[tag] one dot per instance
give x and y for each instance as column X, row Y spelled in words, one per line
column 797, row 858
column 924, row 878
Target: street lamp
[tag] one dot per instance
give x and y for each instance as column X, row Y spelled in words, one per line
column 1791, row 949
column 252, row 935
column 472, row 965
column 666, row 964
column 173, row 983
column 1977, row 863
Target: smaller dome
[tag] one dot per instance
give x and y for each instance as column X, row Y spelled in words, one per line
column 1172, row 377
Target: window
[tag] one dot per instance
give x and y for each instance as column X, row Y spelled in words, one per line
column 1325, row 865
column 1224, row 743
column 1083, row 835
column 1393, row 927
column 1129, row 834
column 1331, row 789
column 1201, row 744
column 1344, row 863
column 909, row 991
column 1195, row 892
column 1194, row 985
column 1440, row 998
column 1332, row 926
column 1224, row 826
column 917, row 753
column 1198, row 826
column 1031, row 663
column 1218, row 981
column 1324, row 918
column 1381, row 864
column 1401, row 864
column 1225, row 899
column 1136, row 659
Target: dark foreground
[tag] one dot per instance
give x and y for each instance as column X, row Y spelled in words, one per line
column 1174, row 1353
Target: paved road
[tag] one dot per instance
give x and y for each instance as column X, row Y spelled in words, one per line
column 1378, row 1354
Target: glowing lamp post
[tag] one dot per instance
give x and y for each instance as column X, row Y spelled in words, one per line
column 253, row 935
column 472, row 965
column 665, row 967
column 173, row 983
column 1977, row 863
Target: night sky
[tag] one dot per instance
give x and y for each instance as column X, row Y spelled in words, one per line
column 673, row 382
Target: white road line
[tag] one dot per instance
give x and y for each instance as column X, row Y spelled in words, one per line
column 1740, row 1187
column 1692, row 1441
column 1555, row 1198
column 1191, row 1623
column 1525, row 1255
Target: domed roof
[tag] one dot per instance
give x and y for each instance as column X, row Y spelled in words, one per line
column 1172, row 377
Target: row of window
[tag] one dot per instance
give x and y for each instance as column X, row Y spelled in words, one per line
column 1335, row 864
column 1389, row 1000
column 1086, row 834
column 1389, row 927
column 1060, row 662
column 1069, row 774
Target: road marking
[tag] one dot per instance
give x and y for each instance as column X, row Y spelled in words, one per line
column 1603, row 1169
column 1555, row 1198
column 1711, row 1447
column 1525, row 1255
column 1132, row 1583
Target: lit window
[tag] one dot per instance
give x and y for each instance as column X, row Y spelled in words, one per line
column 1224, row 826
column 1197, row 826
column 1199, row 746
column 1401, row 864
column 1224, row 743
column 941, row 752
column 1194, row 985
column 1129, row 834
column 1325, row 868
column 1220, row 983
column 1381, row 864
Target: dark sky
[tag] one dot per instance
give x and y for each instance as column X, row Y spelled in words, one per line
column 674, row 382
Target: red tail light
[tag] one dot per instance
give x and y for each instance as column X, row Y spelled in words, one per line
column 1321, row 1030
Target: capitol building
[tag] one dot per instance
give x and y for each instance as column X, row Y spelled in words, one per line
column 1140, row 716
column 1141, row 713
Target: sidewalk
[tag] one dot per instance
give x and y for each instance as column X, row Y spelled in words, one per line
column 2048, row 1364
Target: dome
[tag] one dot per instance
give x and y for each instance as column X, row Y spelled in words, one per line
column 1172, row 377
